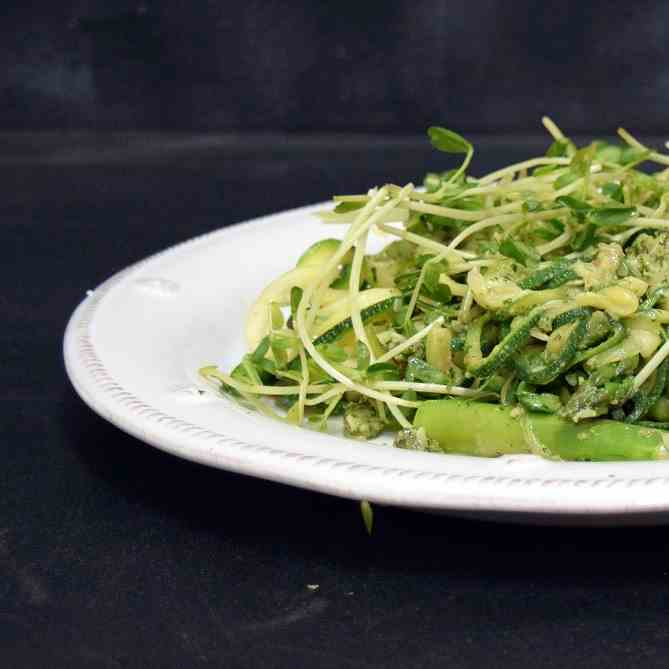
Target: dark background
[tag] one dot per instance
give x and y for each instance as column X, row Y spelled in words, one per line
column 124, row 130
column 481, row 66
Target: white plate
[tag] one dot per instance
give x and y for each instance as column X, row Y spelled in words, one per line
column 133, row 346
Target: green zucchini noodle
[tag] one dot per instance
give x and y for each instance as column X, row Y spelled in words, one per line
column 533, row 299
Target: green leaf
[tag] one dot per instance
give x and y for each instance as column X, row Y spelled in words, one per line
column 419, row 370
column 290, row 374
column 239, row 373
column 565, row 179
column 316, row 374
column 448, row 141
column 345, row 207
column 367, row 515
column 250, row 370
column 609, row 153
column 342, row 280
column 443, row 222
column 333, row 353
column 471, row 203
column 408, row 328
column 432, row 182
column 611, row 215
column 276, row 316
column 293, row 414
column 363, row 357
column 283, row 341
column 630, row 154
column 557, row 149
column 518, row 251
column 455, row 179
column 407, row 281
column 261, row 350
column 556, row 224
column 531, row 205
column 267, row 366
column 279, row 354
column 545, row 234
column 646, row 181
column 580, row 163
column 545, row 169
column 614, row 190
column 573, row 203
column 438, row 291
column 295, row 298
column 538, row 402
column 399, row 312
column 385, row 371
column 550, row 229
column 423, row 258
column 584, row 237
column 411, row 396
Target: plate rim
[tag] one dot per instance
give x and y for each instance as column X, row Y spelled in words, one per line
column 471, row 494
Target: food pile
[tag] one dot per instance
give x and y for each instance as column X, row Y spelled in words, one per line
column 522, row 311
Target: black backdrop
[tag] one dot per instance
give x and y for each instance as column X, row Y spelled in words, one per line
column 115, row 555
column 484, row 65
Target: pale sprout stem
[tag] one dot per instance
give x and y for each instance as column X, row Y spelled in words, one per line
column 554, row 244
column 393, row 352
column 512, row 169
column 399, row 416
column 423, row 242
column 437, row 388
column 553, row 129
column 651, row 365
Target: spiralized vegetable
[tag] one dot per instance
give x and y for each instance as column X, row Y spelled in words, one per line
column 542, row 287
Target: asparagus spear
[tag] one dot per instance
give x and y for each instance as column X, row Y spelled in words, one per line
column 456, row 425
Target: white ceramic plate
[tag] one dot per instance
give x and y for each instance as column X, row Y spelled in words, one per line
column 134, row 344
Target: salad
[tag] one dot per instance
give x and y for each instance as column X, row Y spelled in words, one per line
column 523, row 311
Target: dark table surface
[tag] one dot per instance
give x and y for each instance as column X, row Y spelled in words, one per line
column 113, row 554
